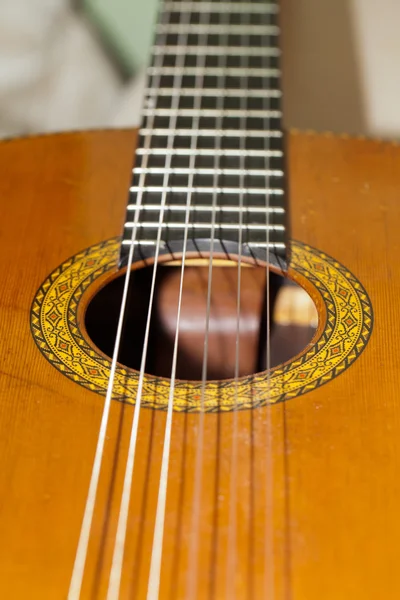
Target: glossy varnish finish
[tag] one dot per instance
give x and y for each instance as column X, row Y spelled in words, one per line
column 328, row 516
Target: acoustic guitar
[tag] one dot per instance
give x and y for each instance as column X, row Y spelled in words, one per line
column 200, row 388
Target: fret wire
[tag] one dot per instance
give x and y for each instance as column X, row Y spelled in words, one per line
column 206, row 190
column 217, row 7
column 210, row 112
column 208, row 152
column 214, row 71
column 205, row 208
column 273, row 245
column 143, row 242
column 271, row 30
column 198, row 225
column 234, row 93
column 216, row 51
column 249, row 133
column 187, row 171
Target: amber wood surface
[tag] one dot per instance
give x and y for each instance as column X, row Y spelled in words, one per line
column 318, row 486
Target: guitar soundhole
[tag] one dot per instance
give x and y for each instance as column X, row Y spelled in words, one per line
column 293, row 320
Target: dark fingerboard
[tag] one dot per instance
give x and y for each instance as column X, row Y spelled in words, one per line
column 210, row 158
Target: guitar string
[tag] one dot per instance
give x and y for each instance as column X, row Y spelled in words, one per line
column 84, row 536
column 155, row 571
column 269, row 566
column 232, row 518
column 192, row 577
column 120, row 328
column 81, row 553
column 119, row 546
column 156, row 562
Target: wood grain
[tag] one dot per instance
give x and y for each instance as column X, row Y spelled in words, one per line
column 318, row 486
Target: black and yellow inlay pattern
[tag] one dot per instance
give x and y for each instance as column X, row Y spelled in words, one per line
column 347, row 330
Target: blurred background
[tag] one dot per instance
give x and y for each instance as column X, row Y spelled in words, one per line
column 79, row 64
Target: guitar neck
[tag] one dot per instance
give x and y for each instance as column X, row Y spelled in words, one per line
column 210, row 157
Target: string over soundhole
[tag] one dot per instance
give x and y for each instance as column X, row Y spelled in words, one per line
column 293, row 321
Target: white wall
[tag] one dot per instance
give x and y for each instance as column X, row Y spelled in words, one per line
column 342, row 65
column 341, row 69
column 376, row 26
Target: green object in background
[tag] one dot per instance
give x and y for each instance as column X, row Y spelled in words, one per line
column 127, row 27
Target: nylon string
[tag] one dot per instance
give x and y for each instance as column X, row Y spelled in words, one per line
column 232, row 522
column 192, row 577
column 269, row 565
column 155, row 568
column 156, row 557
column 84, row 537
column 118, row 555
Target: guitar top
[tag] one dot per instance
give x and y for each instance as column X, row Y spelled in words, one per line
column 327, row 520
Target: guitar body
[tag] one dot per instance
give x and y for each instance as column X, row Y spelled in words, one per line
column 317, row 474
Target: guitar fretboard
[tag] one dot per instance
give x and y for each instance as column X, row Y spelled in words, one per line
column 210, row 158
